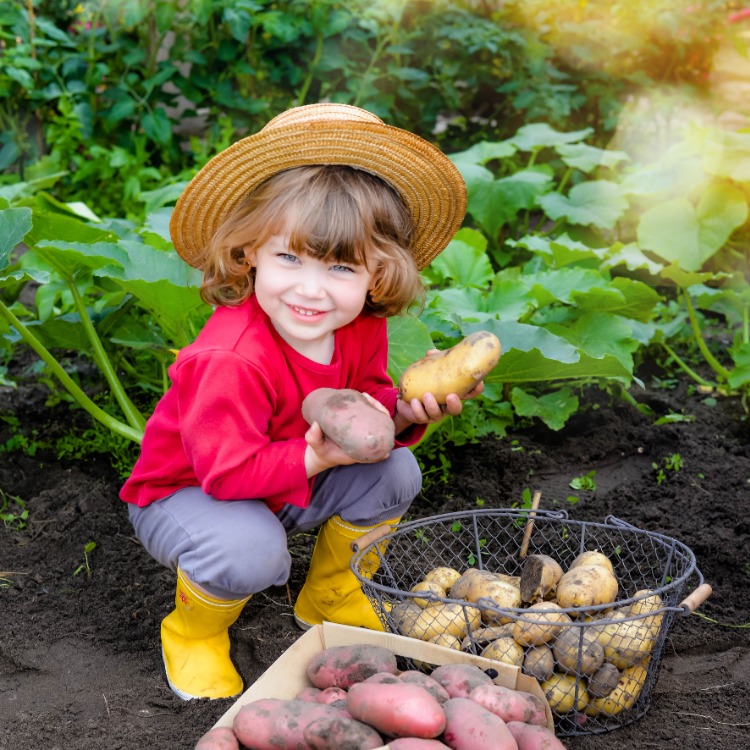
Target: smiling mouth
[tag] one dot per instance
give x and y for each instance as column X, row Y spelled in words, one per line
column 306, row 312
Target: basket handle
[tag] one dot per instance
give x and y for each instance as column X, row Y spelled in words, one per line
column 373, row 535
column 692, row 601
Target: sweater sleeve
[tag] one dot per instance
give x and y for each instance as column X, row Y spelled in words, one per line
column 225, row 405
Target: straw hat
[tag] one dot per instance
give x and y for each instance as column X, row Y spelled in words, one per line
column 427, row 181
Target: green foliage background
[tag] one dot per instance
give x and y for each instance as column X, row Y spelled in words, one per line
column 582, row 259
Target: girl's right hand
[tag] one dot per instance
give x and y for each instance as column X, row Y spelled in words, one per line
column 322, row 453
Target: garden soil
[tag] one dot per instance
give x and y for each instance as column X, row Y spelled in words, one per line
column 80, row 662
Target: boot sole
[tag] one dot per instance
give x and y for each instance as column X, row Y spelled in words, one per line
column 181, row 693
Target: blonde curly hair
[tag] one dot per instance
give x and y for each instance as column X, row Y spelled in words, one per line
column 329, row 212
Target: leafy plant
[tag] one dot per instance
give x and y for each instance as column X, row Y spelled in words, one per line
column 13, row 511
column 88, row 548
column 585, row 482
column 671, row 463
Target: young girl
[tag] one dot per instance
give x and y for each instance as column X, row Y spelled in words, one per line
column 309, row 234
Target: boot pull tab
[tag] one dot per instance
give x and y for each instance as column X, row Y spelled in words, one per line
column 371, row 536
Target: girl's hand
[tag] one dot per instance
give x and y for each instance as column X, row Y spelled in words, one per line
column 322, row 453
column 428, row 410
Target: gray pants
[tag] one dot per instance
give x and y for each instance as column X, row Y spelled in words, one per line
column 234, row 548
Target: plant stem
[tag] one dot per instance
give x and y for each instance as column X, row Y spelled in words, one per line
column 134, row 417
column 311, row 70
column 715, row 365
column 684, row 367
column 118, row 427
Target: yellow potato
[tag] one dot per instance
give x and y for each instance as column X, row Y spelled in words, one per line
column 592, row 557
column 427, row 587
column 577, row 650
column 624, row 696
column 443, row 619
column 631, row 640
column 455, row 370
column 586, row 586
column 539, row 662
column 444, row 577
column 541, row 623
column 564, row 693
column 506, row 650
column 472, row 581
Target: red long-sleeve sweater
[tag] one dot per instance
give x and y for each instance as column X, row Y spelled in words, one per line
column 231, row 421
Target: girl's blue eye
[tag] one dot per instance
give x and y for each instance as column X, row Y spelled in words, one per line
column 339, row 267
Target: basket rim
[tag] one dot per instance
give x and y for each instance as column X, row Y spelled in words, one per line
column 517, row 613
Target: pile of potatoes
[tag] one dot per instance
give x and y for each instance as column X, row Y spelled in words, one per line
column 588, row 657
column 358, row 699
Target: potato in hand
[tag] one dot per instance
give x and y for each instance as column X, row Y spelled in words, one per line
column 361, row 430
column 456, row 370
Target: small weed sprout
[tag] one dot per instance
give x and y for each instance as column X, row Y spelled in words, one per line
column 672, row 463
column 586, row 482
column 13, row 512
column 472, row 559
column 421, row 536
column 480, row 503
column 90, row 547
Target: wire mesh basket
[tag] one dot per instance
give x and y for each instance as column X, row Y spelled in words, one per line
column 604, row 657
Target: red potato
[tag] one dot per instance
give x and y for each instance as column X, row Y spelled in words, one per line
column 396, row 710
column 436, row 690
column 218, row 738
column 361, row 430
column 343, row 666
column 309, row 694
column 510, row 705
column 332, row 696
column 337, row 733
column 459, row 680
column 416, row 743
column 469, row 726
column 384, row 678
column 534, row 737
column 276, row 724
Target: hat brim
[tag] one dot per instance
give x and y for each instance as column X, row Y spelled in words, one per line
column 427, row 181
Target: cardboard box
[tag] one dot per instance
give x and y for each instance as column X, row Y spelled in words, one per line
column 287, row 675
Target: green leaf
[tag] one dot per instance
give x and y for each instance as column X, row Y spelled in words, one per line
column 554, row 409
column 482, row 152
column 408, row 341
column 588, row 158
column 465, row 261
column 624, row 296
column 739, row 377
column 598, row 203
column 687, row 235
column 539, row 135
column 685, row 279
column 497, row 203
column 599, row 334
column 525, row 338
column 726, row 154
column 15, row 224
column 157, row 126
column 631, row 256
column 516, row 366
column 560, row 251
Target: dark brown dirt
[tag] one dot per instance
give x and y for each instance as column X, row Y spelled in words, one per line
column 80, row 663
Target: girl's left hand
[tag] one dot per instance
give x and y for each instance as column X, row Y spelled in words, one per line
column 428, row 410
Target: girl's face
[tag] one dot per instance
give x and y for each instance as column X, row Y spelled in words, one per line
column 305, row 298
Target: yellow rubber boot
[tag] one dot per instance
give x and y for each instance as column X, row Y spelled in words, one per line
column 195, row 643
column 332, row 591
